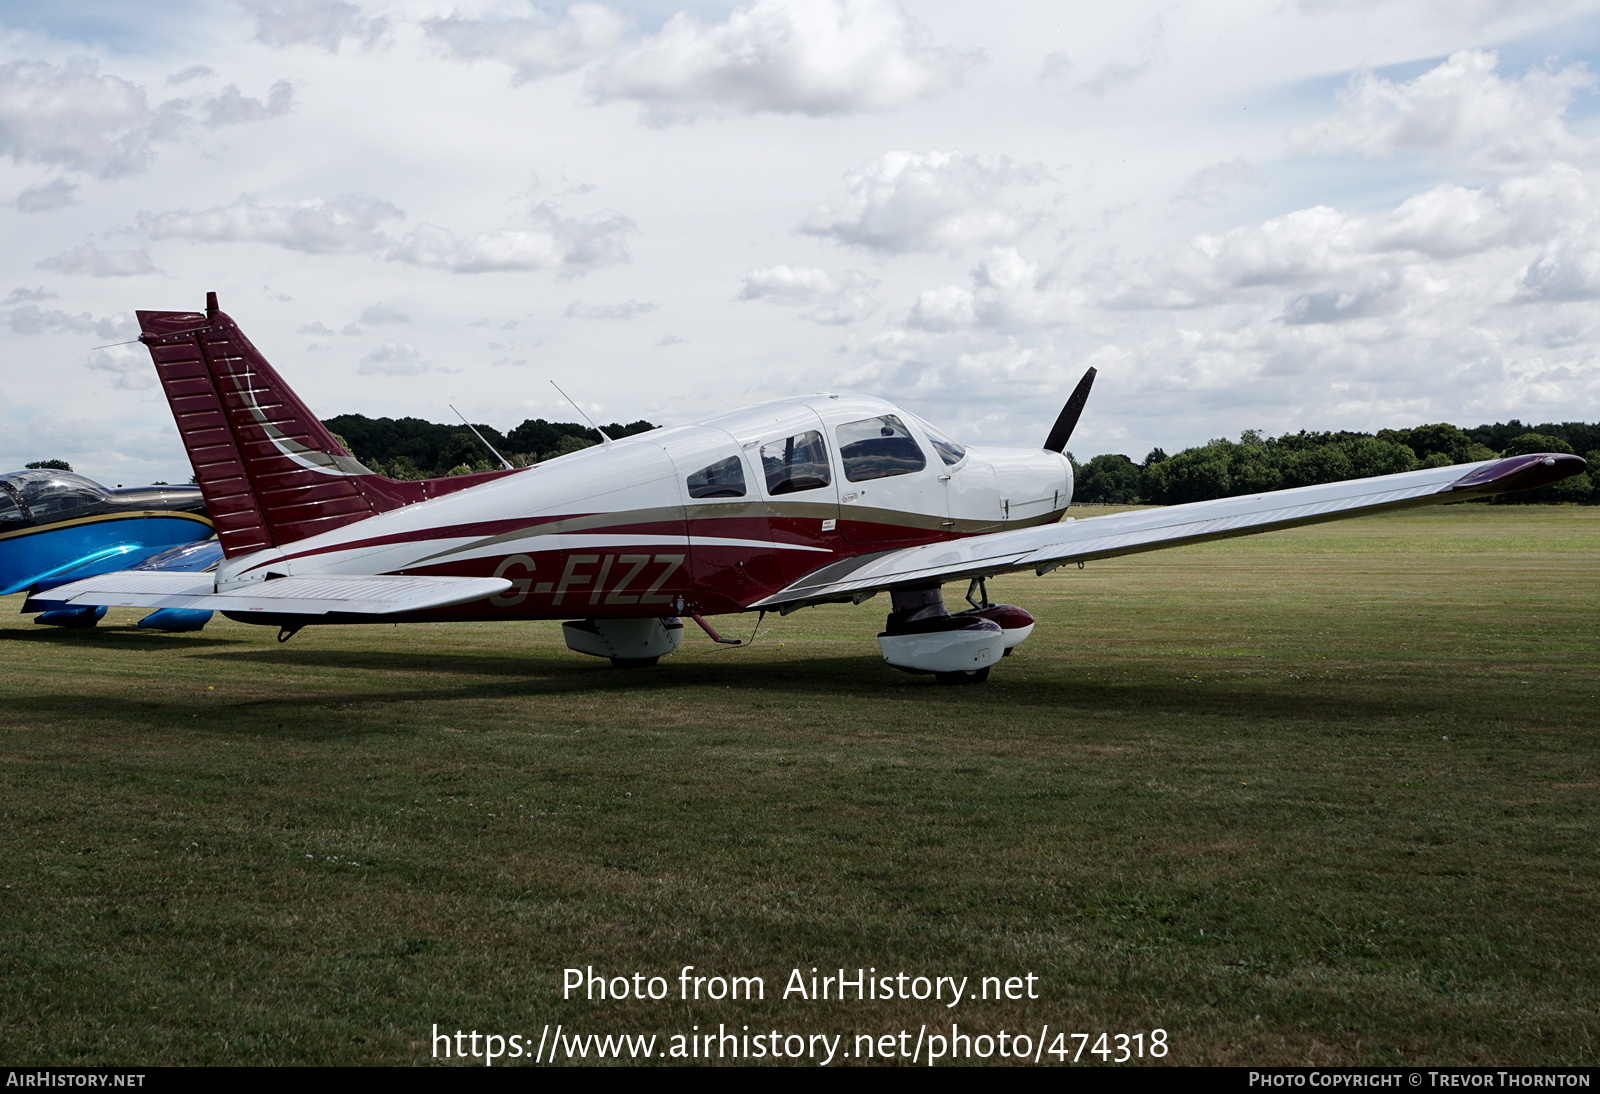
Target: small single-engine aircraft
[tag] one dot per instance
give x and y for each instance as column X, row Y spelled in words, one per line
column 57, row 527
column 811, row 500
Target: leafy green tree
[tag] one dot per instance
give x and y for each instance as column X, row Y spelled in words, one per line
column 1318, row 464
column 1431, row 440
column 1196, row 474
column 48, row 465
column 1529, row 443
column 1110, row 479
column 1370, row 456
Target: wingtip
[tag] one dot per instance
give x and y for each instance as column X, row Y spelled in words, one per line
column 1519, row 473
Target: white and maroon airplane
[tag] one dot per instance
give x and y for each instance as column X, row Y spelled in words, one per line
column 811, row 500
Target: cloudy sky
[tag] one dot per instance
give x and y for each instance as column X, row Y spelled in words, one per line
column 1272, row 214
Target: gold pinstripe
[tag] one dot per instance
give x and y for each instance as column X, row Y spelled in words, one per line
column 131, row 515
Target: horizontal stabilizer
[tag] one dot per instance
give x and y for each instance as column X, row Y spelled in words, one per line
column 1047, row 546
column 309, row 595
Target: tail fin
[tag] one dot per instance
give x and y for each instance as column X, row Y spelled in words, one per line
column 269, row 471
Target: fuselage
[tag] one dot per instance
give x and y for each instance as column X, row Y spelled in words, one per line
column 56, row 526
column 703, row 518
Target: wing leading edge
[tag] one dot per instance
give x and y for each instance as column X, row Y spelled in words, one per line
column 1046, row 547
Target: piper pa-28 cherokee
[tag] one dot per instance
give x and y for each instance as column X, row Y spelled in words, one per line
column 811, row 500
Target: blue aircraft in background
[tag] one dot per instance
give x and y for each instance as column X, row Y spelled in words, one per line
column 57, row 527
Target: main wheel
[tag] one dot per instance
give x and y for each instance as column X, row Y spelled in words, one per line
column 972, row 676
column 633, row 662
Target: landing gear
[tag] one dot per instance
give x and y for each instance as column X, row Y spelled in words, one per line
column 921, row 636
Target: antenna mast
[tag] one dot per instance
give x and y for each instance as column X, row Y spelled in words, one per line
column 579, row 409
column 503, row 461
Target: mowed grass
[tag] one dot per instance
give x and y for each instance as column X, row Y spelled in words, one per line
column 1326, row 796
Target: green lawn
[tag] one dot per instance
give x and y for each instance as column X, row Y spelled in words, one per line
column 1325, row 796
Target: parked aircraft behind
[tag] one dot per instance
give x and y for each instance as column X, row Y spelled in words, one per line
column 810, row 500
column 57, row 527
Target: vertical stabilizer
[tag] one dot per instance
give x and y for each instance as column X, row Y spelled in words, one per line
column 269, row 470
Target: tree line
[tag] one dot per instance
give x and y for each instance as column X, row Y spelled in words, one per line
column 410, row 448
column 1255, row 463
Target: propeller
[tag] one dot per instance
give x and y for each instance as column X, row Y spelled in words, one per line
column 1061, row 432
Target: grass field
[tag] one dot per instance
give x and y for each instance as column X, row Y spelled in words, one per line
column 1327, row 796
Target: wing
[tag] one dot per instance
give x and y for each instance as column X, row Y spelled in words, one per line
column 1044, row 548
column 308, row 595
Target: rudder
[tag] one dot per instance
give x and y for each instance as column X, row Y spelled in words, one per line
column 270, row 472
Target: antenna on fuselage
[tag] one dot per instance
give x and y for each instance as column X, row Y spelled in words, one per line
column 579, row 409
column 503, row 461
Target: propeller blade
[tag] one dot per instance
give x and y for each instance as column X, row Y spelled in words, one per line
column 1061, row 432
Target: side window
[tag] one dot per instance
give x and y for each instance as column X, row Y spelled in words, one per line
column 723, row 479
column 796, row 463
column 876, row 448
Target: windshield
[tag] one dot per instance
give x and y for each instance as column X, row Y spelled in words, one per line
column 949, row 451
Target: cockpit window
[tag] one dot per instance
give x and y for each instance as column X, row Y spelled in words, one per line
column 46, row 496
column 796, row 463
column 59, row 495
column 877, row 448
column 723, row 479
column 949, row 451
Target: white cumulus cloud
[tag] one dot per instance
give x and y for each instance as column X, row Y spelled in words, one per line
column 347, row 223
column 1323, row 244
column 31, row 319
column 128, row 366
column 70, row 116
column 557, row 241
column 90, row 261
column 380, row 314
column 394, row 359
column 816, row 57
column 233, row 107
column 1008, row 293
column 323, row 23
column 1463, row 105
column 628, row 309
column 934, row 201
column 1567, row 269
column 47, row 196
column 833, row 299
column 531, row 45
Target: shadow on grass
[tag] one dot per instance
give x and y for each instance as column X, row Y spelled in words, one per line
column 314, row 706
column 119, row 638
